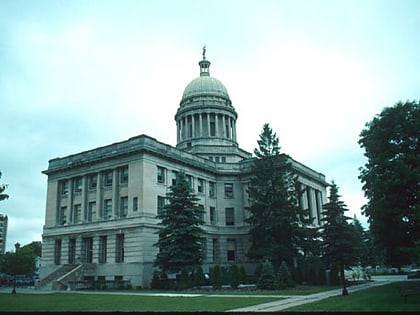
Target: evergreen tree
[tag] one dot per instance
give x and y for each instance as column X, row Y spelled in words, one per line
column 267, row 278
column 216, row 277
column 391, row 180
column 339, row 247
column 277, row 222
column 181, row 242
column 198, row 279
column 235, row 276
column 284, row 278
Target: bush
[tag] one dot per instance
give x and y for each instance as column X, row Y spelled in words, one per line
column 284, row 278
column 155, row 284
column 198, row 276
column 184, row 283
column 267, row 278
column 334, row 277
column 235, row 276
column 215, row 277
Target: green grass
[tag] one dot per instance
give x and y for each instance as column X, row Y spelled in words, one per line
column 384, row 298
column 74, row 302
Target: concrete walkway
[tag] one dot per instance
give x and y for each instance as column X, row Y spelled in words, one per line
column 294, row 300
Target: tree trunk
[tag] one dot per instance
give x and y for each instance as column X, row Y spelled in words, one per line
column 343, row 279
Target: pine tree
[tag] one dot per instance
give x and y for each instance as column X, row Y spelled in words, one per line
column 215, row 277
column 284, row 277
column 267, row 278
column 338, row 235
column 277, row 222
column 181, row 241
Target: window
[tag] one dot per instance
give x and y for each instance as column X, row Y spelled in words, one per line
column 230, row 216
column 64, row 187
column 212, row 189
column 123, row 206
column 119, row 248
column 108, row 178
column 228, row 190
column 215, row 248
column 231, row 246
column 86, row 254
column 62, row 216
column 77, row 210
column 92, row 181
column 102, row 249
column 217, row 159
column 124, row 175
column 213, row 215
column 91, row 213
column 202, row 213
column 161, row 174
column 135, row 204
column 72, row 251
column 174, row 177
column 190, row 181
column 224, row 159
column 212, row 129
column 107, row 213
column 77, row 185
column 200, row 187
column 57, row 252
column 160, row 204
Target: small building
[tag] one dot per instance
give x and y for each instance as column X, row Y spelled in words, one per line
column 100, row 220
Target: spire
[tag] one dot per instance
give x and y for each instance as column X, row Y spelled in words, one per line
column 204, row 64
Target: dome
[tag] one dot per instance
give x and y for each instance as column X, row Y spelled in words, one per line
column 205, row 86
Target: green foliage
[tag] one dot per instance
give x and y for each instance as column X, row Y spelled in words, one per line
column 334, row 277
column 3, row 195
column 390, row 181
column 242, row 274
column 198, row 276
column 284, row 278
column 215, row 277
column 155, row 283
column 235, row 276
column 184, row 282
column 267, row 278
column 181, row 241
column 339, row 237
column 274, row 192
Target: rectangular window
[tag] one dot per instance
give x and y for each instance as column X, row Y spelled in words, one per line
column 72, row 251
column 230, row 216
column 77, row 211
column 200, row 186
column 107, row 209
column 86, row 252
column 215, row 248
column 231, row 247
column 124, row 175
column 91, row 213
column 160, row 204
column 102, row 249
column 119, row 248
column 62, row 216
column 213, row 215
column 212, row 129
column 57, row 252
column 228, row 190
column 174, row 177
column 108, row 175
column 64, row 187
column 190, row 181
column 161, row 175
column 212, row 189
column 92, row 181
column 77, row 185
column 123, row 206
column 135, row 204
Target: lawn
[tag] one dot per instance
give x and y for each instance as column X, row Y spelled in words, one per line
column 74, row 302
column 384, row 298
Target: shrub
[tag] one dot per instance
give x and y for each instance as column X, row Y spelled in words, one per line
column 242, row 274
column 267, row 278
column 284, row 278
column 198, row 276
column 184, row 283
column 235, row 276
column 215, row 277
column 334, row 277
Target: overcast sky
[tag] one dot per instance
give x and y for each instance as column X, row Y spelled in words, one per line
column 76, row 75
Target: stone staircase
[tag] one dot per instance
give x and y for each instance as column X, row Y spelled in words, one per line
column 58, row 279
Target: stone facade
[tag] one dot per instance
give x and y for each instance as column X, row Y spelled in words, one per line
column 102, row 204
column 3, row 233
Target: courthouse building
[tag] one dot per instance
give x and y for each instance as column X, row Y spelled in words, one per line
column 100, row 220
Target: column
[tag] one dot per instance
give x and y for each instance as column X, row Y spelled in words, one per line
column 311, row 202
column 99, row 201
column 115, row 193
column 83, row 205
column 216, row 124
column 200, row 121
column 69, row 217
column 192, row 125
column 208, row 124
column 234, row 129
column 224, row 134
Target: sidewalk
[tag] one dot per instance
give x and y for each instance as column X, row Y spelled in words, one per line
column 290, row 301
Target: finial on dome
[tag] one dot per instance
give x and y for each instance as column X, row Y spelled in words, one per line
column 204, row 52
column 204, row 64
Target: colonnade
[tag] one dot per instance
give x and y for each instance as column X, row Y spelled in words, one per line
column 206, row 125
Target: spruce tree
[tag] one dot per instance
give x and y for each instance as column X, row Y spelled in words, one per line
column 338, row 235
column 181, row 241
column 277, row 223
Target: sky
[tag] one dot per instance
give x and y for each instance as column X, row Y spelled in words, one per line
column 79, row 74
